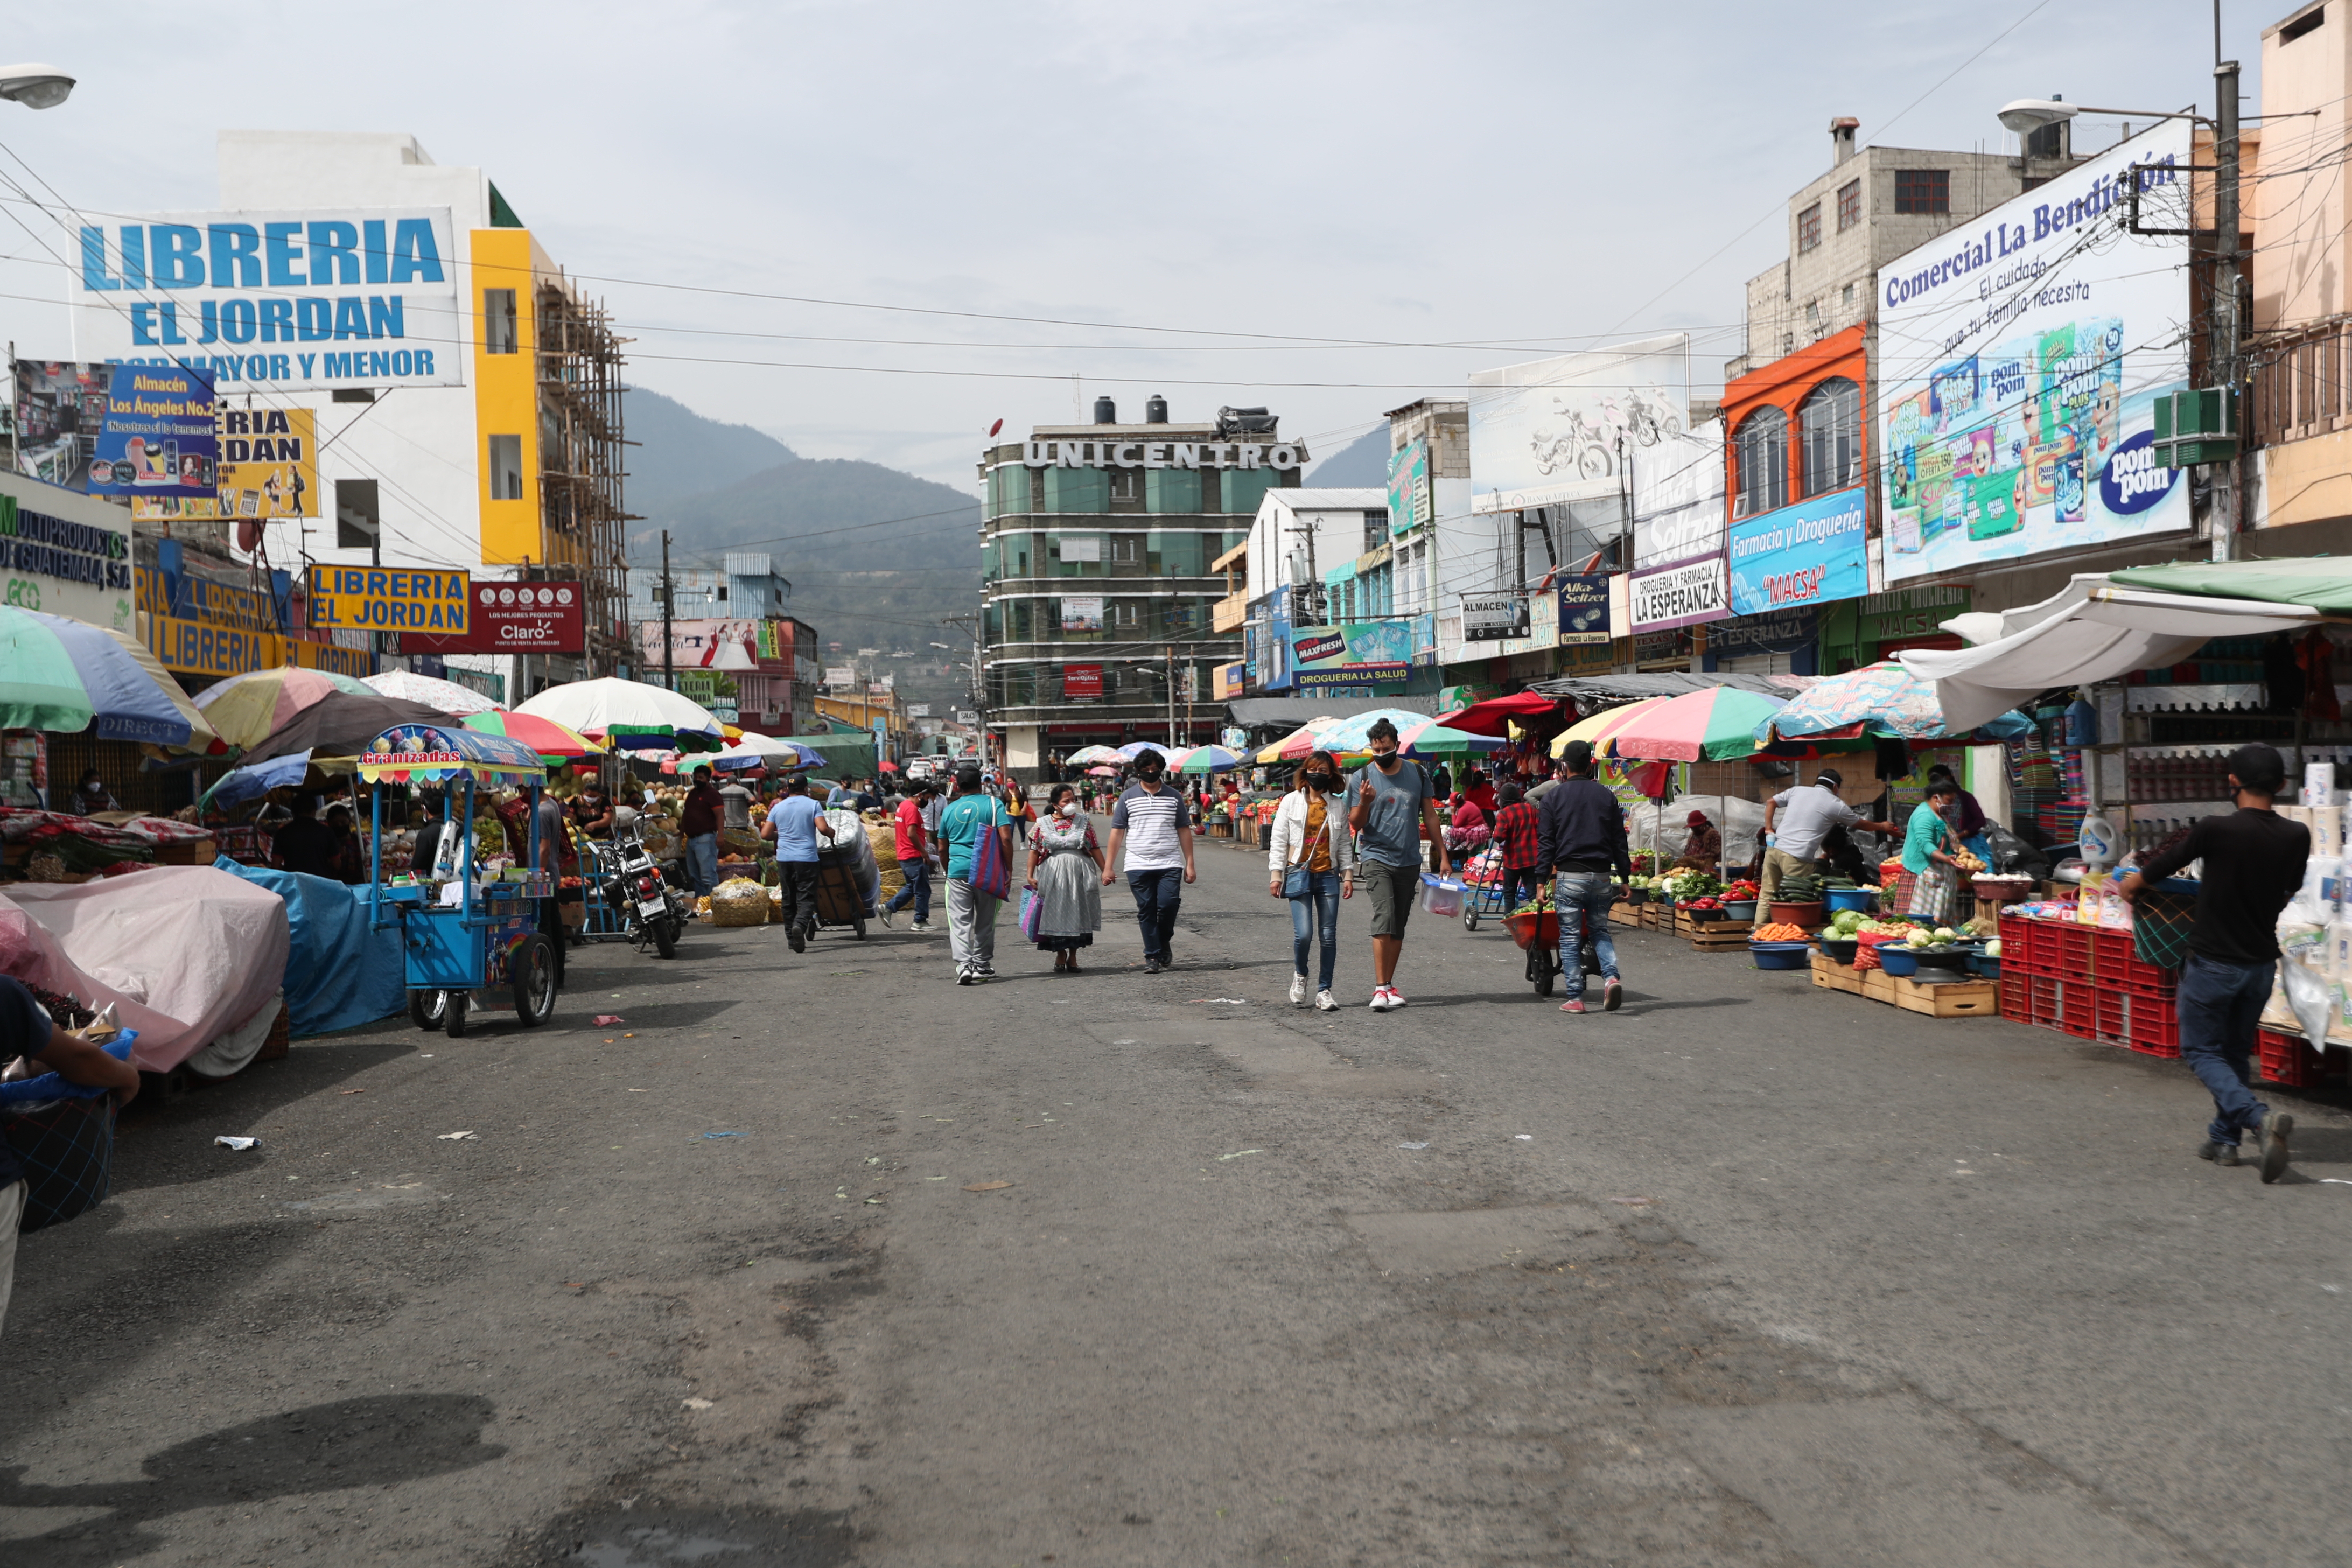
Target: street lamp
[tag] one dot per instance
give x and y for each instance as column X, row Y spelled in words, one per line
column 36, row 86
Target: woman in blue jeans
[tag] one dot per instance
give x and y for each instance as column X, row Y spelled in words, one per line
column 1311, row 862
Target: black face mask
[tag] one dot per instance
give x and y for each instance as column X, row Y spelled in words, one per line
column 1388, row 764
column 1151, row 776
column 1320, row 781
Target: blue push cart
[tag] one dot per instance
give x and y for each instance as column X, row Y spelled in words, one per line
column 468, row 948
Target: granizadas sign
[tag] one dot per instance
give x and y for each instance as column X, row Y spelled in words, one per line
column 1809, row 554
column 1681, row 594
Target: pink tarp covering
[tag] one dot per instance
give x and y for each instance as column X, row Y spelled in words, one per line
column 188, row 952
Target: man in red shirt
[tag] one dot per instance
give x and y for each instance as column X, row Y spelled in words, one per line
column 914, row 853
column 1515, row 833
column 698, row 822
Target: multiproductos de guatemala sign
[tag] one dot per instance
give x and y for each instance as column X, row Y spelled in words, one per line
column 277, row 299
column 1808, row 553
column 2019, row 417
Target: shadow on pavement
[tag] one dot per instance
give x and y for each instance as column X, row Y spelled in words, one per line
column 374, row 1441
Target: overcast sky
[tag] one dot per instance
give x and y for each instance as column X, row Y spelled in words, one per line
column 1527, row 176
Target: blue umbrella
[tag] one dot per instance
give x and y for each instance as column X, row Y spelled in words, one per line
column 252, row 781
column 66, row 675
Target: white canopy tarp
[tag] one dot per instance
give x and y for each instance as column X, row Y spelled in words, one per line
column 2091, row 631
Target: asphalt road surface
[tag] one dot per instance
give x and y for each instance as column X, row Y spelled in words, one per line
column 822, row 1260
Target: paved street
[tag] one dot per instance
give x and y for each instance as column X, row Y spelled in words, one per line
column 1748, row 1273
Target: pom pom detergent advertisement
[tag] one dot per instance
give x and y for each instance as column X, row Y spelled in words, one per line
column 2021, row 356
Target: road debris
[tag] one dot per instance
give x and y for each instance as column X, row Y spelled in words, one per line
column 698, row 1403
column 1413, row 1145
column 237, row 1142
column 987, row 1187
column 1239, row 1152
column 609, row 1020
column 453, row 1137
column 726, row 1135
column 1635, row 1202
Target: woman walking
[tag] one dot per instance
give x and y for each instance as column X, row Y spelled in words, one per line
column 1312, row 864
column 1066, row 867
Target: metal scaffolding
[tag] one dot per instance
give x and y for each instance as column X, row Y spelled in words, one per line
column 581, row 464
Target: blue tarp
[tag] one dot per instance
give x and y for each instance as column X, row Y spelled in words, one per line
column 337, row 971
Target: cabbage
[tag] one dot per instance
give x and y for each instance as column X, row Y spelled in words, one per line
column 1946, row 934
column 1847, row 921
column 1993, row 948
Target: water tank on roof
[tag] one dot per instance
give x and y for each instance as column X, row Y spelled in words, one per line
column 1155, row 410
column 1106, row 411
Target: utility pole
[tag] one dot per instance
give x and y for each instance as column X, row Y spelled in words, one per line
column 1171, row 696
column 669, row 666
column 2229, row 489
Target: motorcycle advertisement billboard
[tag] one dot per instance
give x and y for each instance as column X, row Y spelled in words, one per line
column 1561, row 429
column 2020, row 415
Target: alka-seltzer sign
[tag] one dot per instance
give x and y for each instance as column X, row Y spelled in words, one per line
column 2020, row 418
column 388, row 599
column 1808, row 553
column 363, row 297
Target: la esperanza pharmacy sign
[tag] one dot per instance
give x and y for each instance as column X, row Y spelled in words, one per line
column 1808, row 553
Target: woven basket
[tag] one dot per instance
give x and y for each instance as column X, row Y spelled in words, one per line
column 739, row 904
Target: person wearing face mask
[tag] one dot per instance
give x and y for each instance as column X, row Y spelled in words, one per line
column 1158, row 854
column 1392, row 808
column 1312, row 864
column 1065, row 872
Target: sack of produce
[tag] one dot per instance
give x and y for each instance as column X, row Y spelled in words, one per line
column 739, row 901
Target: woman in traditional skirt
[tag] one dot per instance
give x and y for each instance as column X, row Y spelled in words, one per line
column 1066, row 868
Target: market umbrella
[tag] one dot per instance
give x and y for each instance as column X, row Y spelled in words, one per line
column 629, row 714
column 1103, row 773
column 341, row 724
column 755, row 751
column 451, row 697
column 63, row 675
column 1299, row 742
column 1593, row 731
column 554, row 742
column 1884, row 698
column 1088, row 756
column 1713, row 724
column 1418, row 735
column 1135, row 749
column 245, row 708
column 1493, row 716
column 201, row 738
column 1208, row 760
column 254, row 780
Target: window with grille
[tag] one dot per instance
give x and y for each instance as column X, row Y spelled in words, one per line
column 1923, row 190
column 1127, row 613
column 1761, row 444
column 1831, row 422
column 1808, row 228
column 1849, row 201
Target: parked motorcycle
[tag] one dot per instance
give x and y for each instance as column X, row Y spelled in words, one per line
column 648, row 907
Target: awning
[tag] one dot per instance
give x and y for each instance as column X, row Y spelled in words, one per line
column 2092, row 631
column 1664, row 683
column 2325, row 583
column 1254, row 712
column 1495, row 715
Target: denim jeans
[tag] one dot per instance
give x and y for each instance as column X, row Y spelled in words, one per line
column 1583, row 899
column 1157, row 895
column 1518, row 878
column 2221, row 1011
column 918, row 891
column 1316, row 913
column 702, row 862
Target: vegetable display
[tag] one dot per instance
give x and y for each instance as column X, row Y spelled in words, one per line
column 1780, row 932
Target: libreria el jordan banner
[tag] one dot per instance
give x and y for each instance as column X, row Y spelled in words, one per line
column 2024, row 354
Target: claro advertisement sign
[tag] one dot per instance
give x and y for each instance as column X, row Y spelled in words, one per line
column 2020, row 401
column 276, row 301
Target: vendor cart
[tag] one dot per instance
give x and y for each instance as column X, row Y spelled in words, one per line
column 841, row 903
column 469, row 945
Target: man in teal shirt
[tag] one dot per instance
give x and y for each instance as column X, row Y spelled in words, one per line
column 973, row 822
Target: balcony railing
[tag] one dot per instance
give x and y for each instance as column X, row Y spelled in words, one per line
column 2296, row 382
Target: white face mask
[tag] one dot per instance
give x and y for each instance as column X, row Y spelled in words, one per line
column 1070, row 808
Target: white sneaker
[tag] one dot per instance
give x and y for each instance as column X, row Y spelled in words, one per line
column 1396, row 998
column 885, row 912
column 1298, row 990
column 920, row 925
column 1379, row 1001
column 1325, row 1002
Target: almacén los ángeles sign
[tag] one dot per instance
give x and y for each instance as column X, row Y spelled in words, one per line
column 388, row 599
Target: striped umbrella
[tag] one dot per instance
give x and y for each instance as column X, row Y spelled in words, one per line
column 1300, row 742
column 630, row 715
column 1418, row 735
column 246, row 709
column 1208, row 760
column 1090, row 756
column 554, row 742
column 1594, row 731
column 1715, row 724
column 65, row 674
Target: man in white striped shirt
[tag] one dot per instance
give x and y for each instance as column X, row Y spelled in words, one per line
column 1158, row 854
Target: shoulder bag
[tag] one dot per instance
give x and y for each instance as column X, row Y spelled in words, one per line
column 991, row 872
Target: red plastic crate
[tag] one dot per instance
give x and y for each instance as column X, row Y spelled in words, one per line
column 2079, row 1003
column 2110, row 952
column 2073, row 949
column 2044, row 998
column 2288, row 1059
column 2111, row 1008
column 2154, row 1027
column 2016, row 993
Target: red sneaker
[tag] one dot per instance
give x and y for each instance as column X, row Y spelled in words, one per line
column 1576, row 1005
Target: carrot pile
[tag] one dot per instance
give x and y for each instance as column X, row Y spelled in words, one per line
column 1780, row 932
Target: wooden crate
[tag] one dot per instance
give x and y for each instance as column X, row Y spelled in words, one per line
column 189, row 852
column 1718, row 936
column 1831, row 975
column 1877, row 984
column 1657, row 917
column 1627, row 915
column 1949, row 998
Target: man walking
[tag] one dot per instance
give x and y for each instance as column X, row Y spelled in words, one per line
column 796, row 823
column 2254, row 865
column 973, row 824
column 914, row 851
column 1806, row 813
column 1581, row 829
column 1154, row 824
column 1392, row 808
column 697, row 822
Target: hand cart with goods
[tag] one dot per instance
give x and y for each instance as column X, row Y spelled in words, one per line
column 470, row 944
column 1534, row 926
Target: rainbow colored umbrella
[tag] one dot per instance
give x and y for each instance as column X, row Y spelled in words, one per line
column 1208, row 760
column 1418, row 735
column 247, row 710
column 554, row 742
column 1715, row 724
column 1597, row 729
column 63, row 675
column 1088, row 756
column 1299, row 743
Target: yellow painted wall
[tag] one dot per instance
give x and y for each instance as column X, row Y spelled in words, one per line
column 2307, row 481
column 506, row 397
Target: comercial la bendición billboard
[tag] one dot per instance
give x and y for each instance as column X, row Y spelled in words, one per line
column 2023, row 356
column 1560, row 429
column 279, row 300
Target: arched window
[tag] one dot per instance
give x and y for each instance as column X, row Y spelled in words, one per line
column 1761, row 443
column 1831, row 421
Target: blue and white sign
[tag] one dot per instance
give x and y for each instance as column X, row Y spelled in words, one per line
column 1808, row 553
column 279, row 300
column 2028, row 349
